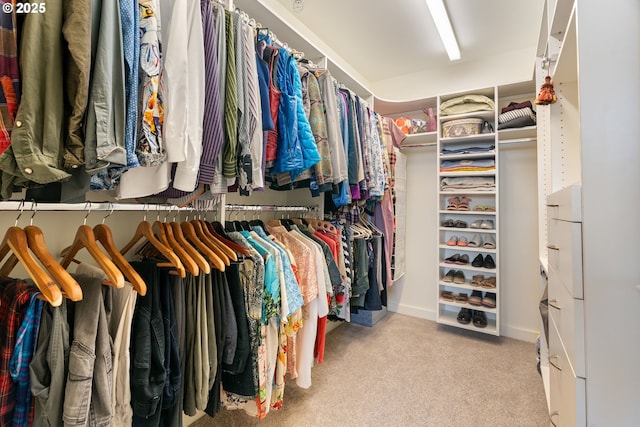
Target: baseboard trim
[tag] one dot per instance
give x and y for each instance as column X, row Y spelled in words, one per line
column 516, row 333
column 520, row 334
column 413, row 311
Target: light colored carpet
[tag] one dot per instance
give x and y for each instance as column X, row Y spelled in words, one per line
column 412, row 372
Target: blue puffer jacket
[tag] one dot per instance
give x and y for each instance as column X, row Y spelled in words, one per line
column 296, row 150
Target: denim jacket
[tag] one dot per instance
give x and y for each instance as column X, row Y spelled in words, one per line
column 87, row 397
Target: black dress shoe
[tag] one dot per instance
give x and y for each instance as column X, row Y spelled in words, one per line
column 478, row 261
column 488, row 262
column 479, row 319
column 464, row 316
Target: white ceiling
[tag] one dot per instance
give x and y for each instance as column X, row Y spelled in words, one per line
column 388, row 38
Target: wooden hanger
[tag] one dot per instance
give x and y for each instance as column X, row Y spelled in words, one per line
column 166, row 234
column 178, row 235
column 86, row 239
column 222, row 250
column 203, row 232
column 145, row 231
column 15, row 241
column 104, row 236
column 69, row 285
column 189, row 231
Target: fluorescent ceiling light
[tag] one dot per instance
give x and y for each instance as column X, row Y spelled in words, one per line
column 440, row 17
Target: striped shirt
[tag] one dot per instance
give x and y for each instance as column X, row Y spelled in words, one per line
column 212, row 131
column 230, row 155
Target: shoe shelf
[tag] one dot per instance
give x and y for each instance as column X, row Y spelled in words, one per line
column 472, row 212
column 466, row 249
column 448, row 316
column 465, row 286
column 467, row 267
column 467, row 230
column 466, row 148
column 466, row 305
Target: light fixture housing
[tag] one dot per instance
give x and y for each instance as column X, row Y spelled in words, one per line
column 443, row 24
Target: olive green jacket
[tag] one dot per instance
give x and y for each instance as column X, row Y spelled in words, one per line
column 55, row 60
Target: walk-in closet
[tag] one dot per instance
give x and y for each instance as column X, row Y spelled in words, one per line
column 306, row 213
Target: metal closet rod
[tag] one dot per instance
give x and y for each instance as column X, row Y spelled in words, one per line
column 28, row 205
column 271, row 208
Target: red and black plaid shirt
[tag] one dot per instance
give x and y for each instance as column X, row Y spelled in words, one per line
column 14, row 300
column 9, row 72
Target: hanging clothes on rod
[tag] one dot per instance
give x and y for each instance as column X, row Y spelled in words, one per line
column 227, row 337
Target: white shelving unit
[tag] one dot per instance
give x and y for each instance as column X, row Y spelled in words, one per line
column 446, row 312
column 449, row 312
column 585, row 143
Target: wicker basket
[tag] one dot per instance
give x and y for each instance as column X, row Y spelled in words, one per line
column 461, row 127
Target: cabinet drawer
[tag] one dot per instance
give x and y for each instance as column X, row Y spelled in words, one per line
column 565, row 254
column 568, row 316
column 565, row 204
column 567, row 392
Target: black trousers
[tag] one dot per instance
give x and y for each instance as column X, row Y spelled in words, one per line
column 148, row 374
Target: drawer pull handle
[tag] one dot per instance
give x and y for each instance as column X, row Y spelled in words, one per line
column 552, row 205
column 553, row 247
column 555, row 356
column 553, row 414
column 554, row 303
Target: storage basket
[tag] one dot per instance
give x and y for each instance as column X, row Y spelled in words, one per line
column 461, row 127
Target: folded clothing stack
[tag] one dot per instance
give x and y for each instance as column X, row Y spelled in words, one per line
column 468, row 183
column 468, row 150
column 468, row 165
column 517, row 115
column 466, row 104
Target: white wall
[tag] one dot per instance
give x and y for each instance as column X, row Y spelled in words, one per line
column 416, row 293
column 498, row 69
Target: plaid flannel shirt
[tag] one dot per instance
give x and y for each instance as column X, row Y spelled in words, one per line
column 9, row 74
column 15, row 296
column 19, row 364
